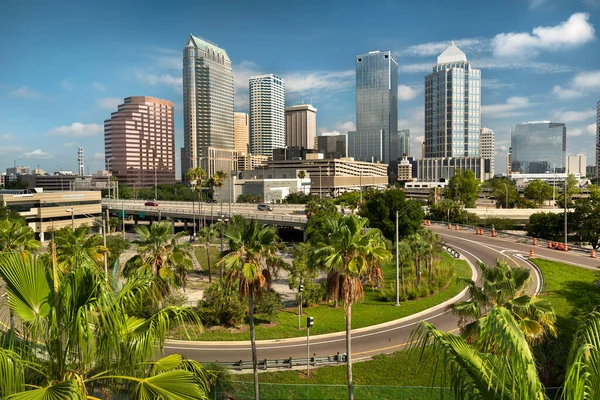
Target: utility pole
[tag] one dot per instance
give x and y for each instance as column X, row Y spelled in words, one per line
column 360, row 183
column 300, row 289
column 397, row 264
column 155, row 186
column 123, row 215
column 105, row 258
column 320, row 183
column 565, row 197
column 309, row 323
column 506, row 189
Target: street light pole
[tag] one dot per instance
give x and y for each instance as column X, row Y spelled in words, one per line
column 155, row 186
column 360, row 183
column 71, row 210
column 108, row 175
column 506, row 188
column 565, row 201
column 320, row 184
column 554, row 188
column 397, row 264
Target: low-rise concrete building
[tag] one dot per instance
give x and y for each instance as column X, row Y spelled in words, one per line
column 49, row 211
column 271, row 185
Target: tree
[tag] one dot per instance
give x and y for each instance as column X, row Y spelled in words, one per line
column 464, row 187
column 548, row 226
column 17, row 184
column 572, row 189
column 76, row 246
column 500, row 187
column 433, row 248
column 318, row 212
column 77, row 338
column 249, row 243
column 116, row 245
column 205, row 236
column 351, row 199
column 301, row 174
column 196, row 176
column 405, row 257
column 7, row 213
column 350, row 253
column 298, row 198
column 504, row 286
column 219, row 179
column 538, row 191
column 420, row 251
column 452, row 212
column 15, row 235
column 585, row 219
column 380, row 207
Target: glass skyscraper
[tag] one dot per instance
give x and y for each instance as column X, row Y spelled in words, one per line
column 452, row 107
column 376, row 135
column 207, row 105
column 403, row 142
column 538, row 147
column 267, row 114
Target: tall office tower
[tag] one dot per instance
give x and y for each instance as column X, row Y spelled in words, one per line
column 240, row 132
column 267, row 114
column 80, row 160
column 452, row 107
column 538, row 147
column 376, row 135
column 139, row 142
column 301, row 126
column 487, row 146
column 207, row 108
column 403, row 142
column 577, row 165
column 598, row 139
column 333, row 144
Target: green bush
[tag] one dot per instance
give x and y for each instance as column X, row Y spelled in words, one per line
column 314, row 293
column 176, row 298
column 268, row 304
column 221, row 306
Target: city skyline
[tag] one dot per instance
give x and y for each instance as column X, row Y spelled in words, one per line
column 540, row 66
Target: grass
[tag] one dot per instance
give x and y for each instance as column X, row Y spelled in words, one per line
column 371, row 311
column 215, row 257
column 573, row 293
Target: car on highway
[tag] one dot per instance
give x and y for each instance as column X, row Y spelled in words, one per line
column 151, row 204
column 264, row 207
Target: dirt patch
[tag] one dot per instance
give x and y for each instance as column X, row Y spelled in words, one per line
column 269, row 325
column 233, row 329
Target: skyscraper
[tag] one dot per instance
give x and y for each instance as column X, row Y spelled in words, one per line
column 139, row 144
column 80, row 161
column 376, row 135
column 333, row 144
column 452, row 107
column 241, row 132
column 538, row 147
column 598, row 139
column 207, row 107
column 301, row 126
column 403, row 142
column 267, row 114
column 487, row 144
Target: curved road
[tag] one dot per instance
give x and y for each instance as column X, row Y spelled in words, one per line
column 392, row 336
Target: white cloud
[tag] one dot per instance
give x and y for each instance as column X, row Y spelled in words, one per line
column 470, row 45
column 109, row 103
column 25, row 93
column 590, row 129
column 37, row 154
column 10, row 150
column 414, row 121
column 67, row 85
column 311, row 82
column 406, row 93
column 174, row 82
column 566, row 93
column 5, row 137
column 166, row 58
column 76, row 129
column 344, row 127
column 587, row 80
column 573, row 116
column 494, row 83
column 322, row 129
column 416, row 68
column 98, row 87
column 70, row 144
column 513, row 106
column 98, row 156
column 572, row 33
column 574, row 132
column 533, row 4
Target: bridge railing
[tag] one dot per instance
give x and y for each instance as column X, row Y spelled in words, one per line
column 284, row 363
column 204, row 204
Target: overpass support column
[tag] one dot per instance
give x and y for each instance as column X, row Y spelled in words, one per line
column 172, row 225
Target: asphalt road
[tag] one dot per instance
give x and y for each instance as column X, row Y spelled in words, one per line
column 385, row 338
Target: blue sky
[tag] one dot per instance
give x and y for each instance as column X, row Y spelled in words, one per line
column 64, row 66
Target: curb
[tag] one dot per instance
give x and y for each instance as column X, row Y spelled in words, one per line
column 474, row 276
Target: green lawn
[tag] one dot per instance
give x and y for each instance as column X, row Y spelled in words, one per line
column 215, row 256
column 573, row 293
column 328, row 319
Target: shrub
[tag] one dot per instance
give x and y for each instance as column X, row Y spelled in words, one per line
column 314, row 293
column 176, row 298
column 268, row 304
column 221, row 306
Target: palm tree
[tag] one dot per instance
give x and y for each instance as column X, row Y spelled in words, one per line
column 419, row 250
column 498, row 365
column 504, row 286
column 434, row 248
column 206, row 235
column 77, row 339
column 219, row 179
column 348, row 255
column 405, row 257
column 301, row 174
column 15, row 235
column 179, row 259
column 249, row 244
column 73, row 245
column 196, row 177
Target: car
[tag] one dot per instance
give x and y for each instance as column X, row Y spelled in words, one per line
column 264, row 207
column 151, row 204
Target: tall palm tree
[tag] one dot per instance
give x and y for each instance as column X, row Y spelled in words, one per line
column 15, row 235
column 219, row 179
column 504, row 286
column 346, row 257
column 206, row 235
column 434, row 248
column 196, row 176
column 77, row 338
column 72, row 245
column 405, row 257
column 420, row 251
column 249, row 243
column 498, row 365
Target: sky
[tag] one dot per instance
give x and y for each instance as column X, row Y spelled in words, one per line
column 65, row 66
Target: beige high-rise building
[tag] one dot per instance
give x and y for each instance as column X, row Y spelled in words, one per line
column 139, row 143
column 241, row 136
column 301, row 126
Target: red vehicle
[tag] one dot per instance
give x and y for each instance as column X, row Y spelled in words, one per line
column 151, row 203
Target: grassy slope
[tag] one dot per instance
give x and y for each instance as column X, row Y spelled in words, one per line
column 328, row 319
column 215, row 256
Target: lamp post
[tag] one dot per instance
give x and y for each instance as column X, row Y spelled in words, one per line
column 310, row 321
column 565, row 201
column 71, row 210
column 506, row 189
column 108, row 175
column 155, row 185
column 300, row 290
column 554, row 188
column 397, row 264
column 320, row 184
column 360, row 183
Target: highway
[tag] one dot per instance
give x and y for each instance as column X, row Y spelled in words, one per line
column 392, row 336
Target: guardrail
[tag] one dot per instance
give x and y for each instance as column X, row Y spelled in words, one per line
column 284, row 363
column 451, row 251
column 204, row 204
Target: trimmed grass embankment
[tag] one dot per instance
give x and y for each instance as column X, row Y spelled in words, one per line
column 371, row 311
